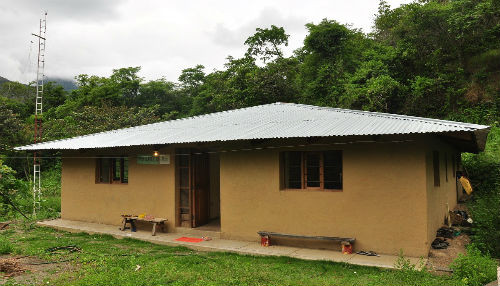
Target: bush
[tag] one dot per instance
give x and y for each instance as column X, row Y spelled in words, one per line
column 474, row 268
column 485, row 211
column 19, row 193
column 407, row 271
column 51, row 196
column 6, row 246
column 404, row 264
column 12, row 190
column 484, row 172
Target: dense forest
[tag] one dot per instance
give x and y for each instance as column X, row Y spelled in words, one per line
column 431, row 58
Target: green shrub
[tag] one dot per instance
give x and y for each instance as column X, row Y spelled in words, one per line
column 19, row 192
column 484, row 172
column 408, row 271
column 485, row 211
column 404, row 264
column 6, row 246
column 474, row 268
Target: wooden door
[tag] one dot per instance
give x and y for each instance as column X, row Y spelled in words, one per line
column 200, row 189
column 184, row 186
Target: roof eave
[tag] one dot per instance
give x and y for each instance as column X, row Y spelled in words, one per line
column 473, row 141
column 481, row 136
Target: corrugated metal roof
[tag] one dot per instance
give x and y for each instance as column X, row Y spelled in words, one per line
column 277, row 120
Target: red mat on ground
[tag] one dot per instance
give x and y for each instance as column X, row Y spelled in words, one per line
column 189, row 239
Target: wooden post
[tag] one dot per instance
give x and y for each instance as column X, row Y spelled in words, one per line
column 124, row 222
column 154, row 229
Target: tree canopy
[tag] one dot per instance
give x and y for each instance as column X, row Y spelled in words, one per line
column 432, row 58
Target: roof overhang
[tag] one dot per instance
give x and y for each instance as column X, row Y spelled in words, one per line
column 273, row 121
column 467, row 141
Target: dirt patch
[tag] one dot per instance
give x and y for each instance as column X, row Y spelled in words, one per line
column 10, row 267
column 31, row 270
column 440, row 259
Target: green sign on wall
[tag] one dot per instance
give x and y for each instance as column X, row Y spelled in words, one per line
column 152, row 160
column 147, row 160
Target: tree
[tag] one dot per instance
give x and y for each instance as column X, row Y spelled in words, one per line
column 93, row 119
column 12, row 191
column 53, row 95
column 192, row 78
column 10, row 127
column 121, row 88
column 331, row 53
column 169, row 102
column 192, row 82
column 12, row 133
column 265, row 43
column 127, row 82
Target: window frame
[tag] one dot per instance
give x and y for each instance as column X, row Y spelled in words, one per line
column 112, row 170
column 303, row 174
column 320, row 171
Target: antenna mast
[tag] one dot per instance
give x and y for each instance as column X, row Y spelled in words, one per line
column 37, row 182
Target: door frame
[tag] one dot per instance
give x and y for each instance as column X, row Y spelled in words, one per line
column 200, row 169
column 181, row 220
column 180, row 217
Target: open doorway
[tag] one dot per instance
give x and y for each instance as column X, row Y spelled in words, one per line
column 213, row 223
column 198, row 191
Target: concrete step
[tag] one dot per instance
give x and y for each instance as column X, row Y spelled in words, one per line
column 197, row 232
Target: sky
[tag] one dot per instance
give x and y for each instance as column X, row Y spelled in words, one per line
column 163, row 37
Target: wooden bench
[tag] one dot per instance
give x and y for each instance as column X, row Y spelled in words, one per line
column 269, row 234
column 132, row 219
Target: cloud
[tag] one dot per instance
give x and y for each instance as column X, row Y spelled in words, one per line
column 235, row 37
column 163, row 37
column 20, row 18
column 66, row 10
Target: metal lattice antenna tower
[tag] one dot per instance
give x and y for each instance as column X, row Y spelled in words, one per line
column 37, row 178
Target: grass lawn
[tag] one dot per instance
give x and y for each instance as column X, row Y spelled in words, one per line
column 104, row 260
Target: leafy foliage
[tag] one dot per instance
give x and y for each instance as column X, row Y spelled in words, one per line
column 484, row 172
column 11, row 127
column 265, row 43
column 92, row 119
column 13, row 191
column 474, row 269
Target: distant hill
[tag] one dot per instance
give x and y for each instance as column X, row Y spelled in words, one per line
column 2, row 80
column 67, row 84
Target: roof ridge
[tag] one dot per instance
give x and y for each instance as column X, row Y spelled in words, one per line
column 392, row 115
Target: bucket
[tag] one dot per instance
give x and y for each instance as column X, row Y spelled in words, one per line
column 265, row 241
column 346, row 248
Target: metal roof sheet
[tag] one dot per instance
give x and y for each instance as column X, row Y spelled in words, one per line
column 277, row 120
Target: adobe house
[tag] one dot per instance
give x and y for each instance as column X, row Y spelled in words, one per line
column 384, row 179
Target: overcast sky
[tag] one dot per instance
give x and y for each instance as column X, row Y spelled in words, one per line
column 163, row 37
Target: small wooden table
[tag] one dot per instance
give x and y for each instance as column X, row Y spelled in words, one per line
column 132, row 219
